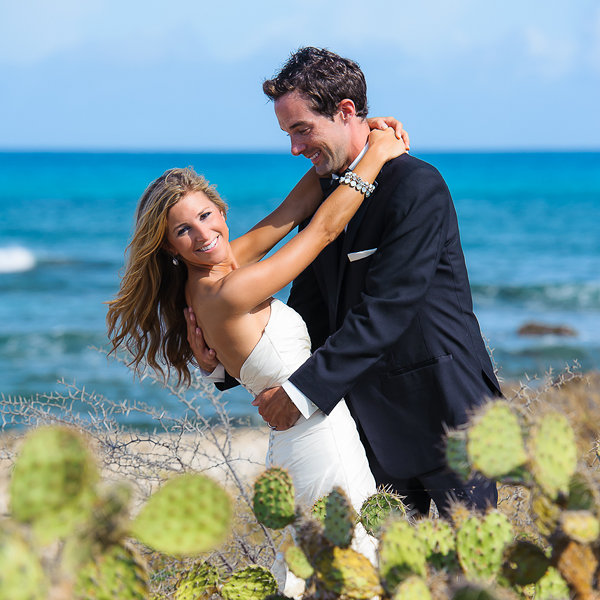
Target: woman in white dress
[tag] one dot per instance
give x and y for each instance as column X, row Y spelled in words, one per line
column 181, row 255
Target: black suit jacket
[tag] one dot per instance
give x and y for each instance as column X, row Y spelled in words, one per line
column 394, row 333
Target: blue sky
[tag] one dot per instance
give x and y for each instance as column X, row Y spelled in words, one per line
column 187, row 74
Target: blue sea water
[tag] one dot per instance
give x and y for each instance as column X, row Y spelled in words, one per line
column 529, row 226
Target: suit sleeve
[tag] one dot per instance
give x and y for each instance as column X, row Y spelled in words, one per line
column 416, row 224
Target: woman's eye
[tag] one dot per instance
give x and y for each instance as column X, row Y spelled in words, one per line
column 181, row 231
column 204, row 215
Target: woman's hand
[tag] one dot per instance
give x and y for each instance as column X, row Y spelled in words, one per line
column 385, row 122
column 385, row 144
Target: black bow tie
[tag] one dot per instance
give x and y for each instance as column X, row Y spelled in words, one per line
column 328, row 184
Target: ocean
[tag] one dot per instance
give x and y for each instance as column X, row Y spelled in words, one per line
column 529, row 226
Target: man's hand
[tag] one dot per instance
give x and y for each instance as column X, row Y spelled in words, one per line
column 276, row 408
column 385, row 122
column 205, row 356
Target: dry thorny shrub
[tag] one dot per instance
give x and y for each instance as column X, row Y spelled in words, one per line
column 199, row 439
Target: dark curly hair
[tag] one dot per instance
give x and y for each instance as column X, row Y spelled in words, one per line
column 323, row 77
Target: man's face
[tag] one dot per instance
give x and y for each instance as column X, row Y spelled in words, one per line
column 325, row 142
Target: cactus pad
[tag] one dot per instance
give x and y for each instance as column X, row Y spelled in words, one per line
column 298, row 563
column 199, row 583
column 346, row 573
column 274, row 504
column 438, row 537
column 457, row 457
column 412, row 588
column 577, row 564
column 480, row 544
column 53, row 482
column 21, row 574
column 339, row 518
column 119, row 572
column 524, row 563
column 379, row 507
column 188, row 515
column 494, row 441
column 252, row 583
column 580, row 525
column 553, row 453
column 401, row 553
column 551, row 586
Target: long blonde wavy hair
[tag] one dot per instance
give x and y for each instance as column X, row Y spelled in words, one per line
column 146, row 317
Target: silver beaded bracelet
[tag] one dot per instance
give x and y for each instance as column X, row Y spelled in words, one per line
column 353, row 180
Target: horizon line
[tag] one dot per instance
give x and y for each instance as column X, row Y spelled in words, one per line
column 430, row 150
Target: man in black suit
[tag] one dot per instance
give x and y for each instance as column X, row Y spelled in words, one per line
column 388, row 307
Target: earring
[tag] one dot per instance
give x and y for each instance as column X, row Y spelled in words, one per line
column 175, row 261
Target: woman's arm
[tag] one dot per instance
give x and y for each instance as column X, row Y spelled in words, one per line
column 245, row 288
column 298, row 205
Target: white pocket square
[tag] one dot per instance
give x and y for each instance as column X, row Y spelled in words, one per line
column 352, row 256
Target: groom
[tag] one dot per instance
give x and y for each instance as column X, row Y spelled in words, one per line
column 388, row 307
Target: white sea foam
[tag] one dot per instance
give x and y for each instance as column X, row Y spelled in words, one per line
column 14, row 259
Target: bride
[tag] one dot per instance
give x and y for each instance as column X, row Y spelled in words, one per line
column 180, row 255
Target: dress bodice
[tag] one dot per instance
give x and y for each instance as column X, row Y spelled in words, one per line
column 282, row 348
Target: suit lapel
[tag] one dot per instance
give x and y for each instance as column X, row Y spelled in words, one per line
column 349, row 237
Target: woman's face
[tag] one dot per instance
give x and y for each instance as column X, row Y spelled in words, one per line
column 196, row 230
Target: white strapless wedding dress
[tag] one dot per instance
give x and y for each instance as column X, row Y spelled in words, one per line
column 321, row 452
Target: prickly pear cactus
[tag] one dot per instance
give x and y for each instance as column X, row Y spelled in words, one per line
column 480, row 544
column 53, row 482
column 189, row 514
column 494, row 442
column 551, row 586
column 298, row 563
column 438, row 538
column 457, row 457
column 21, row 574
column 274, row 504
column 583, row 494
column 577, row 564
column 472, row 591
column 252, row 583
column 545, row 512
column 553, row 453
column 339, row 518
column 379, row 507
column 412, row 588
column 401, row 553
column 347, row 573
column 120, row 572
column 580, row 525
column 524, row 563
column 199, row 583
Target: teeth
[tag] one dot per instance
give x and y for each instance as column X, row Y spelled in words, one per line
column 314, row 155
column 209, row 246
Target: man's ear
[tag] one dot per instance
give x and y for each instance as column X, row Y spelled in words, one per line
column 347, row 108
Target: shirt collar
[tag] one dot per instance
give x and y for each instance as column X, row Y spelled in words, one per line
column 354, row 162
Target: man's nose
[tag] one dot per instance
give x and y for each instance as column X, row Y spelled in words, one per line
column 297, row 147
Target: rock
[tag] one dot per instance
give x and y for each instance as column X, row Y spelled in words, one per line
column 533, row 328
